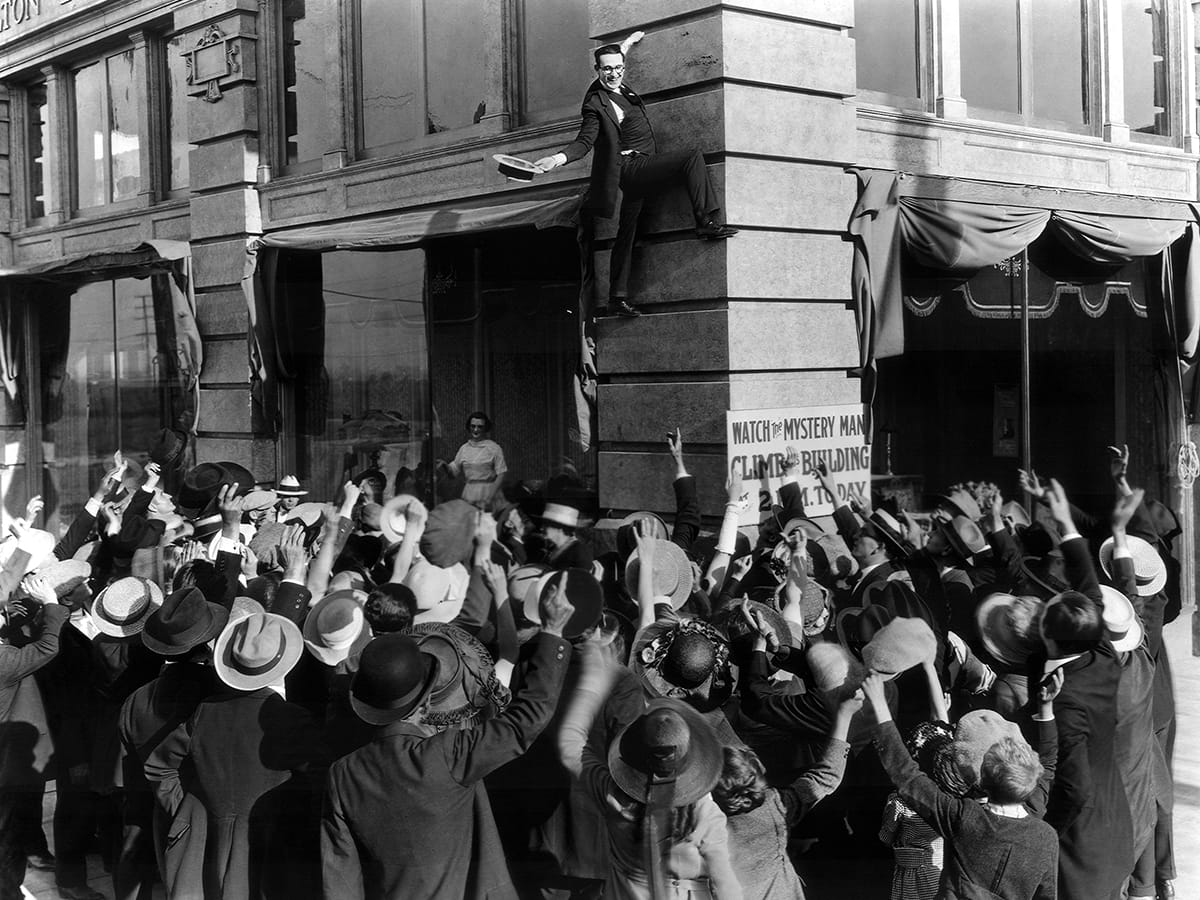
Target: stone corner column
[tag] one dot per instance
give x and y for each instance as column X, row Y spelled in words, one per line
column 764, row 89
column 223, row 124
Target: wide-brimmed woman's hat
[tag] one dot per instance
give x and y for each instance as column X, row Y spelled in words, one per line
column 687, row 658
column 583, row 591
column 335, row 628
column 1148, row 567
column 742, row 636
column 464, row 684
column 184, row 621
column 289, row 486
column 670, row 741
column 672, row 575
column 392, row 680
column 122, row 608
column 1121, row 620
column 1010, row 627
column 257, row 651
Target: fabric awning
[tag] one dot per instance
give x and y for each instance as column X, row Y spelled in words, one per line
column 172, row 258
column 376, row 233
column 960, row 236
column 412, row 227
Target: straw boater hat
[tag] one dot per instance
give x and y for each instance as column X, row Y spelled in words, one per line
column 524, row 581
column 289, row 486
column 121, row 609
column 672, row 577
column 583, row 591
column 1010, row 627
column 672, row 744
column 1121, row 620
column 1014, row 512
column 1148, row 567
column 627, row 530
column 184, row 621
column 560, row 514
column 392, row 521
column 257, row 651
column 335, row 628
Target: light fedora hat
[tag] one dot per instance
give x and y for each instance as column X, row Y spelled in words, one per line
column 289, row 486
column 560, row 514
column 257, row 651
column 335, row 626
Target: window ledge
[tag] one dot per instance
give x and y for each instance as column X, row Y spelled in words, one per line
column 90, row 220
column 990, row 127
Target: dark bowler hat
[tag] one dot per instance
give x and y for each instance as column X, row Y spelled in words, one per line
column 185, row 620
column 393, row 677
column 202, row 483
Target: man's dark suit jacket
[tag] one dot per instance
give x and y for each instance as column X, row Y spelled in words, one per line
column 601, row 133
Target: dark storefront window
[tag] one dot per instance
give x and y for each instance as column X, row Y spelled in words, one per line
column 421, row 68
column 356, row 364
column 1143, row 24
column 950, row 408
column 104, row 384
column 306, row 23
column 106, row 132
column 178, row 177
column 37, row 137
column 887, row 49
column 384, row 354
column 557, row 58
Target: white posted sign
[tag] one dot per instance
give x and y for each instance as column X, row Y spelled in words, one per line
column 757, row 442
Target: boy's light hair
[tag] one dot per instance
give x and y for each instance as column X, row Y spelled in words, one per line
column 1010, row 771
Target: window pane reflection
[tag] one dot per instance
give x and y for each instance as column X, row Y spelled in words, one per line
column 885, row 46
column 990, row 39
column 306, row 115
column 89, row 136
column 123, row 127
column 177, row 114
column 36, row 139
column 1057, row 36
column 358, row 351
column 390, row 71
column 1143, row 23
column 454, row 70
column 557, row 57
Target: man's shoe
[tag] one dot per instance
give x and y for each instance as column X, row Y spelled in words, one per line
column 622, row 308
column 714, row 231
column 43, row 862
column 1166, row 890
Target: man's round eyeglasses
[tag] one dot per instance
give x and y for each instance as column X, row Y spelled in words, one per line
column 611, row 70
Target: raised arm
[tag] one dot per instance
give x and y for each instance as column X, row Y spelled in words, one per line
column 687, row 502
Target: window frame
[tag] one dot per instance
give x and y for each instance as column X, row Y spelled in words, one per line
column 1175, row 123
column 519, row 42
column 145, row 139
column 352, row 24
column 926, row 43
column 160, row 61
column 1093, row 68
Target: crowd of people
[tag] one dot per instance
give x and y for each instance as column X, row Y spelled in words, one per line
column 242, row 692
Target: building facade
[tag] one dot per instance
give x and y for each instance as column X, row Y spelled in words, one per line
column 397, row 282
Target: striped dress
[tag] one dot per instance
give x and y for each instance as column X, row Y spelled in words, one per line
column 917, row 850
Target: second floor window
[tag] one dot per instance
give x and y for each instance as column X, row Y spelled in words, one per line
column 177, row 148
column 1144, row 24
column 37, row 138
column 305, row 108
column 421, row 68
column 106, row 132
